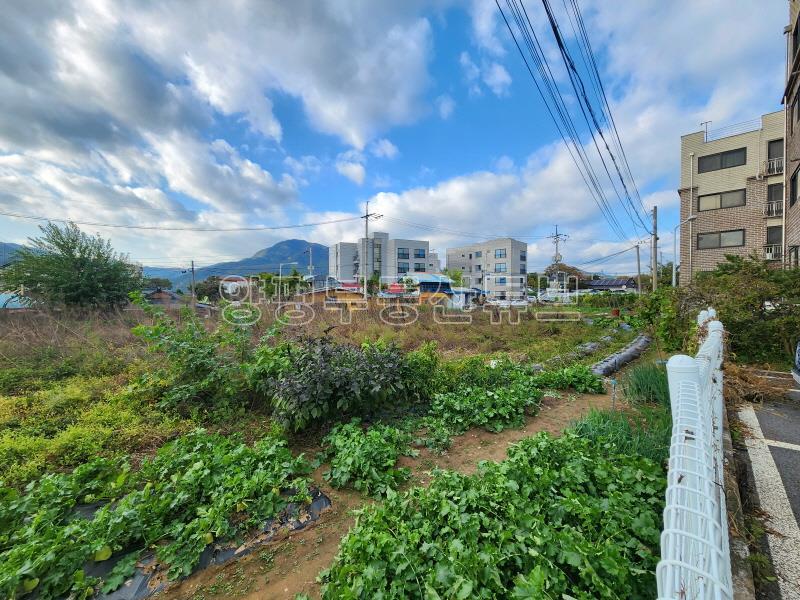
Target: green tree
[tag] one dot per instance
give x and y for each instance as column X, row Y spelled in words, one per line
column 156, row 282
column 208, row 288
column 455, row 275
column 564, row 268
column 67, row 267
column 758, row 305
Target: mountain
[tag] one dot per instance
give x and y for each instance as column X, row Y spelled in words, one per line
column 8, row 250
column 263, row 261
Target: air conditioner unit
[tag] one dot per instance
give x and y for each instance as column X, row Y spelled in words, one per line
column 771, row 255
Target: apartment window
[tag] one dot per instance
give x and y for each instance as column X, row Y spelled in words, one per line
column 478, row 254
column 500, row 280
column 477, row 267
column 500, row 253
column 722, row 160
column 775, row 235
column 723, row 200
column 402, row 253
column 796, row 38
column 402, row 267
column 523, row 255
column 720, row 239
column 500, row 268
column 470, row 255
column 775, row 192
column 794, row 112
column 419, row 252
column 775, row 149
column 793, row 188
column 523, row 269
column 419, row 267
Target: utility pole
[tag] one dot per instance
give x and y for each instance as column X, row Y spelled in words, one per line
column 654, row 250
column 557, row 239
column 310, row 262
column 638, row 270
column 194, row 299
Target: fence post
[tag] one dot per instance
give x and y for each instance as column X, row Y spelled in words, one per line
column 695, row 555
column 680, row 369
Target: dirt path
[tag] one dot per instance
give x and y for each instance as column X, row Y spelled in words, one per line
column 289, row 566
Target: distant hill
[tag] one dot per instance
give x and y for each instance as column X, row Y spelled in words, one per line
column 263, row 261
column 8, row 250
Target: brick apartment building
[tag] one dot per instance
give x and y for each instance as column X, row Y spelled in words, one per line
column 791, row 103
column 732, row 188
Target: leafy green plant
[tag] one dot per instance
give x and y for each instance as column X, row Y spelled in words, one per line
column 201, row 369
column 559, row 518
column 577, row 377
column 494, row 410
column 198, row 488
column 327, row 380
column 366, row 459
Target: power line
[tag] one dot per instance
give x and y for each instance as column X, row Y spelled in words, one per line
column 557, row 106
column 605, row 258
column 580, row 90
column 596, row 77
column 161, row 228
column 540, row 58
column 465, row 234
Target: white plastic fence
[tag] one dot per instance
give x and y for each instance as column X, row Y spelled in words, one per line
column 695, row 557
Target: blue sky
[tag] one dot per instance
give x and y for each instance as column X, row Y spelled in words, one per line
column 257, row 113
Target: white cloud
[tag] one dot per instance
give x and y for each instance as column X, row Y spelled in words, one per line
column 357, row 68
column 445, row 105
column 492, row 74
column 218, row 176
column 383, row 148
column 351, row 165
column 484, row 24
column 504, row 164
column 471, row 73
column 496, row 78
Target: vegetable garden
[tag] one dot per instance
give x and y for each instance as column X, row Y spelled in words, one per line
column 203, row 437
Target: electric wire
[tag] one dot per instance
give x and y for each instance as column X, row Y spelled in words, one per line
column 556, row 105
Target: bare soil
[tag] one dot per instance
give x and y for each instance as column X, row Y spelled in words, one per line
column 290, row 565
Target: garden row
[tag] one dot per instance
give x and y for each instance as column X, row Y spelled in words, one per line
column 573, row 517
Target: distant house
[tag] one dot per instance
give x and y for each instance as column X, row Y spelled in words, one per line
column 161, row 297
column 464, row 297
column 611, row 285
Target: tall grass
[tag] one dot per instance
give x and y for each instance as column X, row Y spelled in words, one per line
column 646, row 433
column 646, row 383
column 645, row 429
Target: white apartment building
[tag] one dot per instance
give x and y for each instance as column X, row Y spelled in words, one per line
column 389, row 258
column 498, row 266
column 341, row 261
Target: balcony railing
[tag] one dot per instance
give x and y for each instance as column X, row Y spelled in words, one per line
column 774, row 209
column 773, row 166
column 773, row 252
